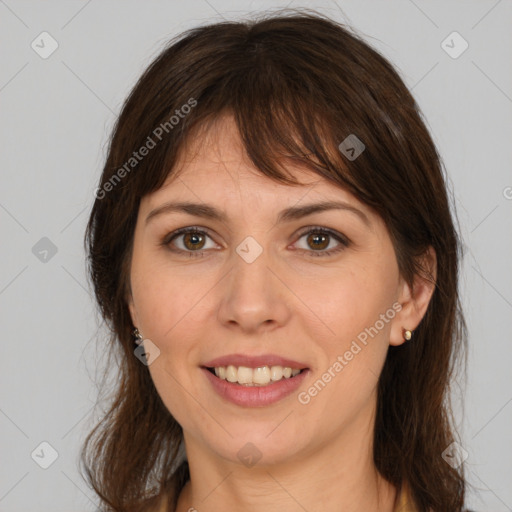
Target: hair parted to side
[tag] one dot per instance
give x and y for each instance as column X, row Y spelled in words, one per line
column 297, row 84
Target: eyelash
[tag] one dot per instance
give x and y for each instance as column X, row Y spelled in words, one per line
column 343, row 241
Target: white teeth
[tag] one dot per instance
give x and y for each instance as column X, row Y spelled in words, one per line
column 276, row 373
column 244, row 375
column 260, row 376
column 231, row 373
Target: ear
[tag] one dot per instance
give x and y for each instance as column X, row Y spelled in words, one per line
column 131, row 305
column 414, row 299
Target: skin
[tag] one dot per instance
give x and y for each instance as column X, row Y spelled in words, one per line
column 289, row 302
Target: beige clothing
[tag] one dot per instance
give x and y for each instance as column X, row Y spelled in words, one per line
column 403, row 503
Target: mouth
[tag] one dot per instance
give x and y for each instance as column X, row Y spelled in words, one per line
column 255, row 377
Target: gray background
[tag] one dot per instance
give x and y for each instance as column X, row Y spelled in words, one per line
column 55, row 119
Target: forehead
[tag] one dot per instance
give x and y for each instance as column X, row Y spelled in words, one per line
column 213, row 160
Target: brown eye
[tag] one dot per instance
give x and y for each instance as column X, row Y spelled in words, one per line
column 193, row 240
column 190, row 240
column 318, row 240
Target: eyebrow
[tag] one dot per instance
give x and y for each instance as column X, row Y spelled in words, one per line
column 287, row 215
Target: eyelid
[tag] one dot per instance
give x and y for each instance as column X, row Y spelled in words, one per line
column 332, row 232
column 183, row 231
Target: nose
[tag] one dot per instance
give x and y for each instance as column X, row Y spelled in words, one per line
column 253, row 295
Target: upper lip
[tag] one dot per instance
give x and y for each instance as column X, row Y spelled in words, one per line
column 254, row 361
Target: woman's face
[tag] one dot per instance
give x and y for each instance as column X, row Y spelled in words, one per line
column 270, row 285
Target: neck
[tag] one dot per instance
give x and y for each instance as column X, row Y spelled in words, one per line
column 337, row 475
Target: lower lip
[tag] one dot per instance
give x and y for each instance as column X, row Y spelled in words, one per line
column 255, row 396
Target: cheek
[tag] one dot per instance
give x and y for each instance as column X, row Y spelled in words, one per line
column 353, row 313
column 165, row 298
column 172, row 308
column 351, row 351
column 349, row 299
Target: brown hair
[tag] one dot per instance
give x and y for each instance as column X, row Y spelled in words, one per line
column 297, row 85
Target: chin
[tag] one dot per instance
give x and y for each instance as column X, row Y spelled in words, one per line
column 259, row 448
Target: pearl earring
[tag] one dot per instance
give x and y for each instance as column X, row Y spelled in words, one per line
column 407, row 335
column 138, row 337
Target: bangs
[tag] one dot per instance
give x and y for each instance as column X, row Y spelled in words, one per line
column 274, row 145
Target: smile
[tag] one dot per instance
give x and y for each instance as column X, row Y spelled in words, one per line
column 260, row 376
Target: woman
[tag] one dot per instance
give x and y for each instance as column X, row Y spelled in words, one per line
column 272, row 246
